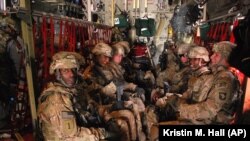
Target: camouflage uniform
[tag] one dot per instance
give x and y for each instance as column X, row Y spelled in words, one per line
column 134, row 97
column 103, row 90
column 180, row 80
column 219, row 105
column 122, row 48
column 56, row 113
column 57, row 117
column 172, row 68
column 190, row 106
column 226, row 91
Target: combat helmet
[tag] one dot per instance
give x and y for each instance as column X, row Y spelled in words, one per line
column 224, row 48
column 102, row 49
column 184, row 48
column 199, row 52
column 65, row 60
column 121, row 47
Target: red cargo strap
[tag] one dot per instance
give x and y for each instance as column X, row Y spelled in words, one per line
column 60, row 35
column 73, row 36
column 232, row 38
column 219, row 31
column 66, row 34
column 225, row 34
column 45, row 58
column 215, row 31
column 223, row 28
column 70, row 36
column 52, row 35
column 82, row 39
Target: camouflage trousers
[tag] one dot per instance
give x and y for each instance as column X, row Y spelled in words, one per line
column 127, row 120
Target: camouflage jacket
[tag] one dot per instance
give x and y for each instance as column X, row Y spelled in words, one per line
column 218, row 105
column 55, row 111
column 199, row 86
column 57, row 117
column 99, row 77
column 118, row 72
column 179, row 83
column 172, row 67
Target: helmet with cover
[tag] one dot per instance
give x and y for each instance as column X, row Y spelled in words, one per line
column 224, row 48
column 66, row 60
column 102, row 49
column 121, row 48
column 199, row 52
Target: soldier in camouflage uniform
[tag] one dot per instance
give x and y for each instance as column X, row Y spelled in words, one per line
column 223, row 99
column 102, row 89
column 133, row 96
column 172, row 68
column 189, row 106
column 179, row 82
column 219, row 104
column 119, row 50
column 166, row 75
column 56, row 113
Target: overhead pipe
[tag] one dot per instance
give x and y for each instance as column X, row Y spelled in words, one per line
column 3, row 5
column 126, row 5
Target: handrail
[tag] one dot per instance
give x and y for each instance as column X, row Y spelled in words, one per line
column 223, row 16
column 61, row 17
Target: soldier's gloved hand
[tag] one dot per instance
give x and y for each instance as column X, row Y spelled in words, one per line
column 140, row 93
column 109, row 89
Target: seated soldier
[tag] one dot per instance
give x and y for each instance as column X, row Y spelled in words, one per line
column 119, row 50
column 217, row 103
column 102, row 89
column 56, row 113
column 172, row 67
column 224, row 97
column 179, row 81
column 132, row 95
column 186, row 108
column 198, row 86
